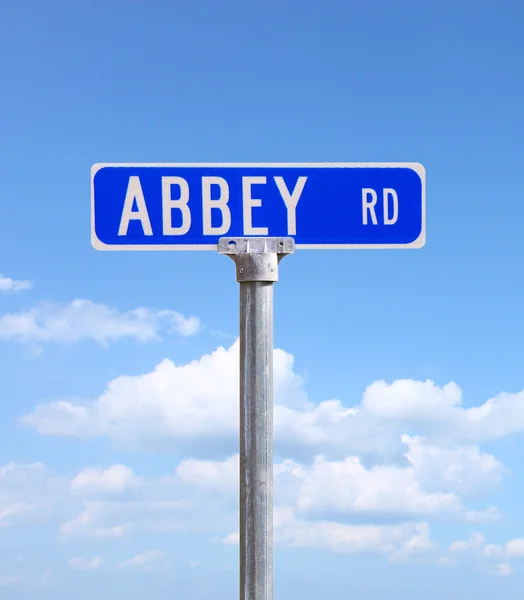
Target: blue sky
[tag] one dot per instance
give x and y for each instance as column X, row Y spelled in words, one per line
column 118, row 429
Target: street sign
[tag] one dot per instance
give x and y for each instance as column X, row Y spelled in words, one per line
column 319, row 205
column 257, row 214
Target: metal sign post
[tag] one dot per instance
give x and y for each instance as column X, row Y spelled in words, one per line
column 256, row 262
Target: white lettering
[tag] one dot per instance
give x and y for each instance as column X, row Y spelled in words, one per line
column 389, row 192
column 135, row 192
column 369, row 205
column 219, row 204
column 168, row 204
column 291, row 201
column 249, row 203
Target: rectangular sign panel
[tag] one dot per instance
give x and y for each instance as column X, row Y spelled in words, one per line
column 322, row 205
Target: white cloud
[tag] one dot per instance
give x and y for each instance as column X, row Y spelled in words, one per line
column 163, row 509
column 493, row 551
column 512, row 549
column 414, row 489
column 332, row 428
column 196, row 405
column 487, row 515
column 13, row 285
column 117, row 506
column 190, row 402
column 232, row 539
column 515, row 548
column 28, row 578
column 462, row 470
column 99, row 503
column 476, row 548
column 405, row 399
column 379, row 464
column 503, row 569
column 92, row 522
column 211, row 474
column 29, row 493
column 86, row 320
column 397, row 542
column 345, row 539
column 148, row 561
column 438, row 411
column 202, row 496
column 196, row 400
column 116, row 479
column 61, row 418
column 85, row 564
column 434, row 478
column 6, row 580
column 475, row 541
column 347, row 487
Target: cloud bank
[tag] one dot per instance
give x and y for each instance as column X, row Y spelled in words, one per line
column 86, row 320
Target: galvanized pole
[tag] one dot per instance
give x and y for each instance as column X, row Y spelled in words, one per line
column 256, row 262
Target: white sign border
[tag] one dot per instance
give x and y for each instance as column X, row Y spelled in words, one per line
column 417, row 167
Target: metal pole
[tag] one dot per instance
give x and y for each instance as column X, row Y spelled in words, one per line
column 256, row 262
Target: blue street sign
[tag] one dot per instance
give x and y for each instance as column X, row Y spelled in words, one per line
column 322, row 206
